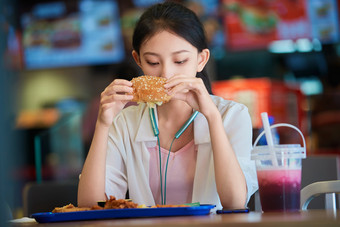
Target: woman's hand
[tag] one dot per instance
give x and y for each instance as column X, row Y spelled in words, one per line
column 191, row 90
column 113, row 99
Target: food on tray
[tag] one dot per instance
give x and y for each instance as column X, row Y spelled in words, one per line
column 150, row 89
column 112, row 203
column 69, row 208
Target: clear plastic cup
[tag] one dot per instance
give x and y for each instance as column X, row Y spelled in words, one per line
column 279, row 174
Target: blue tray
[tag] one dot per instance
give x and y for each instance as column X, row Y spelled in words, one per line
column 122, row 213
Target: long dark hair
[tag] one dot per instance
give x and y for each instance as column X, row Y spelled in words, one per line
column 175, row 18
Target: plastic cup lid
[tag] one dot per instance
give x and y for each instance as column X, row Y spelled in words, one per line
column 281, row 150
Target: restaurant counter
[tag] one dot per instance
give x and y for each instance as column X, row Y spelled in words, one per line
column 303, row 218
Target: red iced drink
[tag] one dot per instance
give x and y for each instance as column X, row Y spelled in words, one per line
column 279, row 189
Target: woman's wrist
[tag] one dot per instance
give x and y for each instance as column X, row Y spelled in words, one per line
column 102, row 125
column 213, row 115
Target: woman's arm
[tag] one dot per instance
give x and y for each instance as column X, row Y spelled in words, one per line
column 92, row 181
column 230, row 181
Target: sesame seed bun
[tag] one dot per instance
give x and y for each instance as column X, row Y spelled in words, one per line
column 150, row 89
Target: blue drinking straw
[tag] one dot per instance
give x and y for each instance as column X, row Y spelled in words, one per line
column 269, row 137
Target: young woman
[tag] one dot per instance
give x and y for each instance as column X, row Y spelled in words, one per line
column 209, row 162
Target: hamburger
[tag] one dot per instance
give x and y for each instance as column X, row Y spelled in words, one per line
column 150, row 89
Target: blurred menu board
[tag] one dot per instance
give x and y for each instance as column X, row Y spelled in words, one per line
column 71, row 33
column 253, row 24
column 324, row 19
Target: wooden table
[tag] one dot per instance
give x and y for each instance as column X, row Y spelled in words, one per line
column 304, row 218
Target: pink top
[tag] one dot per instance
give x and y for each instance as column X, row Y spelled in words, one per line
column 180, row 174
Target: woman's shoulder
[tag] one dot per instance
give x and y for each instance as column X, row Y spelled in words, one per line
column 227, row 105
column 235, row 115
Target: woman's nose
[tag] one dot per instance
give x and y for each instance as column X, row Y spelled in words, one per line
column 167, row 71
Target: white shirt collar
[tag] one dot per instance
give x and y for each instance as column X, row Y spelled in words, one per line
column 145, row 132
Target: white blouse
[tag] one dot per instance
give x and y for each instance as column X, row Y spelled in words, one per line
column 127, row 161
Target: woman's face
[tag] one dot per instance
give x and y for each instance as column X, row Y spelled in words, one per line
column 166, row 54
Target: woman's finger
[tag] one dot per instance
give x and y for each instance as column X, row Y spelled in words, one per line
column 117, row 89
column 175, row 80
column 187, row 85
column 115, row 97
column 121, row 82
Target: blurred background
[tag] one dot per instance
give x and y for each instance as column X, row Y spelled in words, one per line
column 277, row 56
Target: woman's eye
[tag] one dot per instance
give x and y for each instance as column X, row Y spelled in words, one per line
column 152, row 63
column 181, row 62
